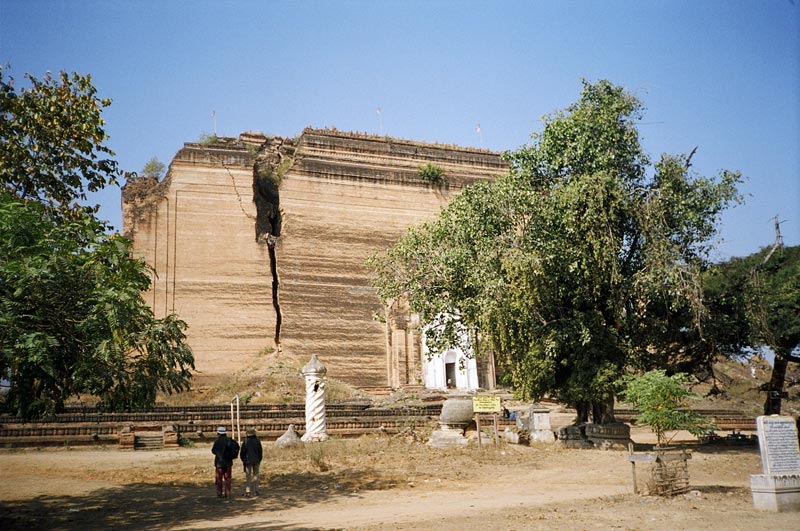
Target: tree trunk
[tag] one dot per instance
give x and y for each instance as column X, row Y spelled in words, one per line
column 598, row 412
column 583, row 409
column 603, row 412
column 772, row 406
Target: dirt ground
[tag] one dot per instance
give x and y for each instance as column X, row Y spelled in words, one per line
column 377, row 483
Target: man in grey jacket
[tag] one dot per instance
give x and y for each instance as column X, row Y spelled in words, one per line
column 251, row 455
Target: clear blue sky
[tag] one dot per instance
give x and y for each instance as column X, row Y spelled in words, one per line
column 721, row 75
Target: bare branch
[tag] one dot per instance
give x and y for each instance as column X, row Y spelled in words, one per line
column 689, row 159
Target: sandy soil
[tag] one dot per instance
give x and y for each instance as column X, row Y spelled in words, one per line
column 376, row 483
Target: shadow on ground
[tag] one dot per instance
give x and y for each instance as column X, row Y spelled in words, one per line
column 720, row 489
column 710, row 448
column 155, row 506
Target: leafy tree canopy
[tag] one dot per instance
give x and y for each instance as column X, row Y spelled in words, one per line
column 51, row 139
column 774, row 304
column 153, row 169
column 72, row 318
column 755, row 302
column 575, row 264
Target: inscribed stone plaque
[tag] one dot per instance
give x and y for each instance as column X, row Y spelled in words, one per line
column 777, row 438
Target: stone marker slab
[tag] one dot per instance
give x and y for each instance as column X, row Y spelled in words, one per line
column 778, row 488
column 777, row 439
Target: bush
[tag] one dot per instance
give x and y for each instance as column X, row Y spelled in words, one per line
column 431, row 173
column 153, row 169
column 662, row 404
column 316, row 456
column 207, row 138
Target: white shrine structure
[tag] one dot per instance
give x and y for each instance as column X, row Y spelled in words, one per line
column 454, row 368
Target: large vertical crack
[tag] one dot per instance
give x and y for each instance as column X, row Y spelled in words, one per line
column 273, row 268
column 271, row 163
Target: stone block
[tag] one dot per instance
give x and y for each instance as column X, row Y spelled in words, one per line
column 574, row 436
column 777, row 493
column 615, row 435
column 456, row 413
column 170, row 437
column 446, row 438
column 536, row 422
column 511, row 436
column 289, row 438
column 127, row 438
column 777, row 440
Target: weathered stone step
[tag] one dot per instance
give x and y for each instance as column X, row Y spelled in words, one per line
column 146, row 441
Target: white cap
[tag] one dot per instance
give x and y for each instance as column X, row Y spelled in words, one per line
column 221, row 430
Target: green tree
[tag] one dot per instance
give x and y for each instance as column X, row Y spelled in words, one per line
column 662, row 402
column 51, row 140
column 575, row 264
column 756, row 303
column 775, row 310
column 72, row 318
column 154, row 169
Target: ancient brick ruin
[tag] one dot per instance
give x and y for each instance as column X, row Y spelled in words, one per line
column 260, row 242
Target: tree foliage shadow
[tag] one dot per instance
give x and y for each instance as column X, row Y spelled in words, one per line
column 720, row 489
column 716, row 448
column 144, row 506
column 723, row 448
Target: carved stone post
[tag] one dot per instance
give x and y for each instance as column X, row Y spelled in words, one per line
column 314, row 373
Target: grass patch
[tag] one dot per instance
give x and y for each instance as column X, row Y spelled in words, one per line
column 270, row 377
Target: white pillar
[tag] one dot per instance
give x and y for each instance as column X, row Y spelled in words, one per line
column 314, row 373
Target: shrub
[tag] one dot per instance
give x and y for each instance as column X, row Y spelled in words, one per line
column 153, row 169
column 662, row 403
column 316, row 456
column 431, row 173
column 207, row 139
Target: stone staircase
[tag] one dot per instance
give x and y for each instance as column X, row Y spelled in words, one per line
column 148, row 441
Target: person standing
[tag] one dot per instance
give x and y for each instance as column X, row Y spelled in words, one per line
column 225, row 450
column 251, row 455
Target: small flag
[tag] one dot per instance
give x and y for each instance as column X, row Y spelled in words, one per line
column 378, row 110
column 478, row 128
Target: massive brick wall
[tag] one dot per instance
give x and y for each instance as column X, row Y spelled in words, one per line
column 196, row 230
column 343, row 197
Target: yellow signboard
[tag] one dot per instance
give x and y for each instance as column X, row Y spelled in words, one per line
column 486, row 404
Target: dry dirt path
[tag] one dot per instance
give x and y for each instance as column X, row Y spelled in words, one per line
column 375, row 485
column 431, row 503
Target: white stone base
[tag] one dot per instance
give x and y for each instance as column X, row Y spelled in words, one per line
column 536, row 421
column 546, row 436
column 774, row 492
column 314, row 437
column 446, row 438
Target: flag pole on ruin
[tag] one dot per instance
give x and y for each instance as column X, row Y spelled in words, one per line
column 380, row 120
column 480, row 135
column 214, row 119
